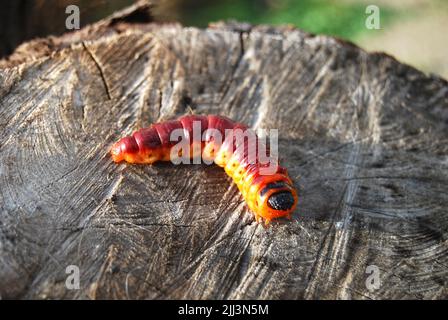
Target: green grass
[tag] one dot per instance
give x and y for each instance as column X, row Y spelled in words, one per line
column 332, row 17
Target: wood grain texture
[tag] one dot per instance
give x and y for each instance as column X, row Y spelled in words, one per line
column 363, row 136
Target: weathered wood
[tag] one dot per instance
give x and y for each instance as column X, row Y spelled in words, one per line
column 364, row 137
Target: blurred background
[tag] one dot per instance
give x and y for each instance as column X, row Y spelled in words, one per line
column 414, row 31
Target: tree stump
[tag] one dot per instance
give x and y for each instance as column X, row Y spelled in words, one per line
column 363, row 136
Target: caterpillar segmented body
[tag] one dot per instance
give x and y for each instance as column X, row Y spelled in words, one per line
column 268, row 196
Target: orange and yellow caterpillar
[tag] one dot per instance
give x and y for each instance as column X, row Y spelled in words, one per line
column 268, row 196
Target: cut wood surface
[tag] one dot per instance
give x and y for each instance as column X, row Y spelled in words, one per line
column 364, row 137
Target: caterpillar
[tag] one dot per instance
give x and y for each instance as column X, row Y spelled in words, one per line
column 268, row 196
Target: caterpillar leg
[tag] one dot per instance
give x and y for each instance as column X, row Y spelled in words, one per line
column 257, row 218
column 267, row 222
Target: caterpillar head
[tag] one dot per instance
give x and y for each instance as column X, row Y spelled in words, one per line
column 278, row 199
column 282, row 200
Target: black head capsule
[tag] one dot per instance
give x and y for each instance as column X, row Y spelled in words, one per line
column 282, row 200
